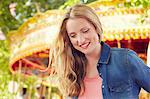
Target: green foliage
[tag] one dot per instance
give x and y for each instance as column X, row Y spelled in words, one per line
column 137, row 3
column 69, row 3
column 5, row 75
column 24, row 10
column 7, row 22
column 4, row 55
column 88, row 1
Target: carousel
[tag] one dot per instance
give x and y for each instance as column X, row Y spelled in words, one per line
column 30, row 46
column 31, row 43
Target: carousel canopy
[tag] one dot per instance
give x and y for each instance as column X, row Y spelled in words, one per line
column 30, row 44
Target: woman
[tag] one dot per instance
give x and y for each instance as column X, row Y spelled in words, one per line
column 88, row 68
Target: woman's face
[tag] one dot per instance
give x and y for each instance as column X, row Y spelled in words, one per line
column 82, row 35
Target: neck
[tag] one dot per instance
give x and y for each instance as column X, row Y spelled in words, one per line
column 92, row 59
column 94, row 56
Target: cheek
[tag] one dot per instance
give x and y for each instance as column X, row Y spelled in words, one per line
column 95, row 38
column 73, row 42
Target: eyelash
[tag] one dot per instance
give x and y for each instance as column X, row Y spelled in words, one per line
column 73, row 36
column 86, row 31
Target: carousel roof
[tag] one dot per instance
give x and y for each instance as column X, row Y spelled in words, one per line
column 35, row 36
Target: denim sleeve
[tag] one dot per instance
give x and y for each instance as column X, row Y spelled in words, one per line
column 139, row 71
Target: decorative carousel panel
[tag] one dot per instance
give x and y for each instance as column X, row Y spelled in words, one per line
column 125, row 26
column 31, row 43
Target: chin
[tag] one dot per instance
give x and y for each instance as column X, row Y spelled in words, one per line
column 86, row 52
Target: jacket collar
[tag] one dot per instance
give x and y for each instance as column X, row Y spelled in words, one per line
column 105, row 53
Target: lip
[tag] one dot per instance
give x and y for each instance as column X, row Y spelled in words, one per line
column 84, row 46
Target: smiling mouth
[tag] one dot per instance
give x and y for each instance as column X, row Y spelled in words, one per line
column 84, row 46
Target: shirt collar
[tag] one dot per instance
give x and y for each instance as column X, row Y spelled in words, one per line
column 105, row 53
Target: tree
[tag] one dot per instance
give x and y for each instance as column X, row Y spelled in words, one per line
column 23, row 9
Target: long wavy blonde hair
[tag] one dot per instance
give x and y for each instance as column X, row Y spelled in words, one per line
column 70, row 64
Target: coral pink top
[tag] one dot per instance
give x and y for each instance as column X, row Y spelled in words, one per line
column 93, row 88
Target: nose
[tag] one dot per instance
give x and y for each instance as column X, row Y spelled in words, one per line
column 80, row 39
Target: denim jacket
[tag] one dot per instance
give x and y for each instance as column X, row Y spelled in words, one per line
column 123, row 73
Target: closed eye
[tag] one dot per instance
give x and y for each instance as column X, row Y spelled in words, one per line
column 85, row 30
column 72, row 35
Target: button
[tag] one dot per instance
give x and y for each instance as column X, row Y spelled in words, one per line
column 100, row 74
column 102, row 86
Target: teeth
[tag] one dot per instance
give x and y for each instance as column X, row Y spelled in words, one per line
column 85, row 45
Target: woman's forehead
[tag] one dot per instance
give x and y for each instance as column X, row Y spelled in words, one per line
column 75, row 24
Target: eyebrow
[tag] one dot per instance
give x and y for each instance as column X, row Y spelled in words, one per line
column 83, row 28
column 71, row 33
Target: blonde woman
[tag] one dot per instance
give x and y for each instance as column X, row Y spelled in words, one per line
column 88, row 68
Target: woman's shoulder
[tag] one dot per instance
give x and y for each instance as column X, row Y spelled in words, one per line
column 119, row 49
column 120, row 52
